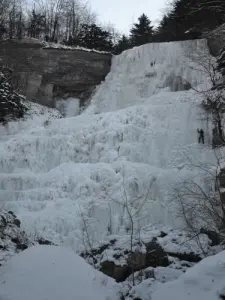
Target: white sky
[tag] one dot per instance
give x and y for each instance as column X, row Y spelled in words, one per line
column 122, row 13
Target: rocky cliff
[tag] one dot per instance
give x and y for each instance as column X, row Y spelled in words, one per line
column 216, row 40
column 45, row 75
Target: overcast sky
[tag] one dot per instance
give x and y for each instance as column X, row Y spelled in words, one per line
column 122, row 13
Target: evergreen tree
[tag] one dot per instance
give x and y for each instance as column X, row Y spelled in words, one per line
column 141, row 32
column 20, row 26
column 3, row 31
column 93, row 37
column 189, row 19
column 11, row 104
column 36, row 25
column 122, row 45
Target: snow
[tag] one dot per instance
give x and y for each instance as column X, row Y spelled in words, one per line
column 206, row 280
column 50, row 45
column 74, row 174
column 53, row 273
column 116, row 248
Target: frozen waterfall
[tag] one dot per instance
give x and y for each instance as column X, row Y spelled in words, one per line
column 136, row 139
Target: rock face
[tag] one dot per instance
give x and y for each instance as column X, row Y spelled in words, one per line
column 45, row 75
column 216, row 40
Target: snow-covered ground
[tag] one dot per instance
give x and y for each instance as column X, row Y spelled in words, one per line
column 50, row 272
column 135, row 141
column 53, row 273
column 206, row 280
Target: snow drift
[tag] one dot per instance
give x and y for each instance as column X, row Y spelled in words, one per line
column 53, row 273
column 206, row 280
column 135, row 141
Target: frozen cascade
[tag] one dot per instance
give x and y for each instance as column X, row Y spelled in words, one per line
column 136, row 133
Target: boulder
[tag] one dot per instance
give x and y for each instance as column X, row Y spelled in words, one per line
column 212, row 235
column 155, row 255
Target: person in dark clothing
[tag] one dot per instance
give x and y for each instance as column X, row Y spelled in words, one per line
column 201, row 136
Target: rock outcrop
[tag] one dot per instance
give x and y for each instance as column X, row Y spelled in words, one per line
column 160, row 250
column 13, row 239
column 216, row 40
column 45, row 75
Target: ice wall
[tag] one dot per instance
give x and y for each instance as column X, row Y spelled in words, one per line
column 141, row 72
column 134, row 143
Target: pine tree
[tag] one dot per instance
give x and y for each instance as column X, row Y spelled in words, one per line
column 20, row 26
column 93, row 37
column 190, row 19
column 3, row 31
column 36, row 25
column 141, row 32
column 11, row 104
column 122, row 45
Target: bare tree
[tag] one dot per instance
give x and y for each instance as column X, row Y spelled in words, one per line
column 132, row 208
column 201, row 199
column 63, row 18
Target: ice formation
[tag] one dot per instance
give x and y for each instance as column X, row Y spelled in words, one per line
column 135, row 141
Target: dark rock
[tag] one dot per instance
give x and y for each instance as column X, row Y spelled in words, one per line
column 215, row 40
column 21, row 247
column 137, row 260
column 119, row 273
column 15, row 240
column 156, row 255
column 221, row 178
column 189, row 257
column 17, row 222
column 163, row 234
column 42, row 241
column 11, row 213
column 3, row 221
column 212, row 235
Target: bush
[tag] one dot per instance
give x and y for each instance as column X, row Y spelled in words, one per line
column 11, row 103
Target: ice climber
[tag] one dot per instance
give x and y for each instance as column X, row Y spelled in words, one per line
column 201, row 138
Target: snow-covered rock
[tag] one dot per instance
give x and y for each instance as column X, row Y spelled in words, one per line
column 12, row 238
column 154, row 247
column 53, row 273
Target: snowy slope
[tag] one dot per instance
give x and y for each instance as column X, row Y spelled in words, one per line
column 68, row 177
column 53, row 273
column 206, row 280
